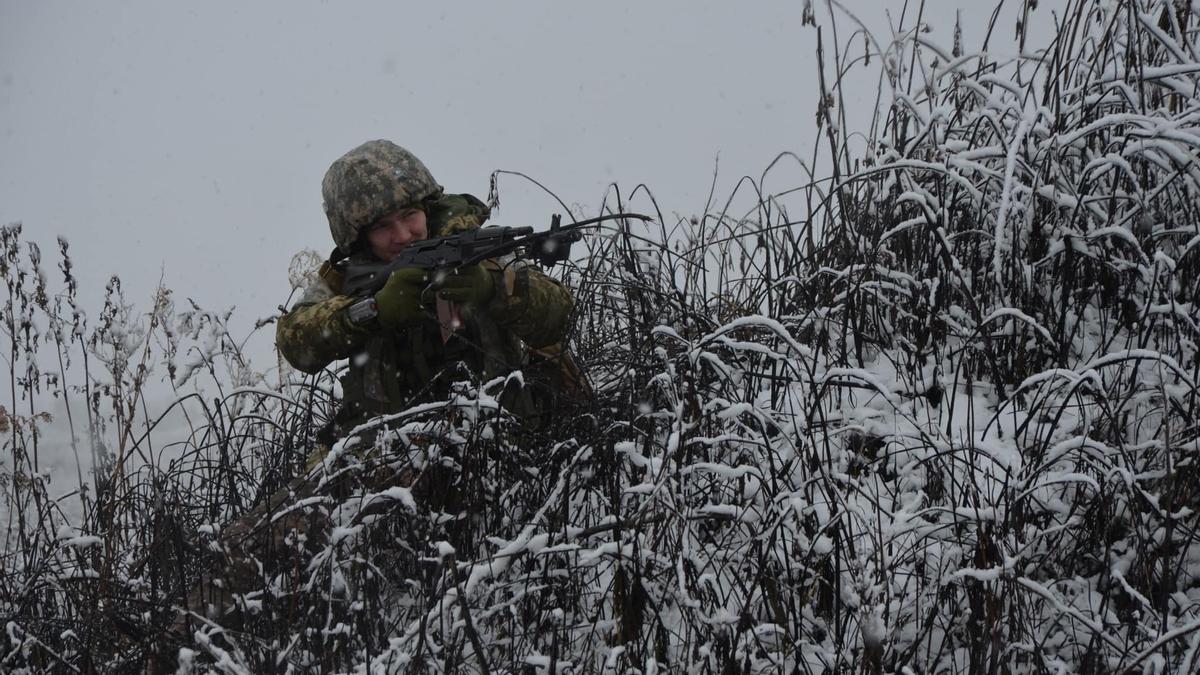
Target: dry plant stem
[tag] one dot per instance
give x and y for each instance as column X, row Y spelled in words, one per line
column 933, row 408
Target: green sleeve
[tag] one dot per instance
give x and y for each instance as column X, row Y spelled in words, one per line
column 455, row 213
column 311, row 336
column 535, row 307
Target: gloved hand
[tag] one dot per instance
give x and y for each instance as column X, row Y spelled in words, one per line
column 399, row 301
column 472, row 285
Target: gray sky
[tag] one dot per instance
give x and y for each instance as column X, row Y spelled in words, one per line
column 188, row 140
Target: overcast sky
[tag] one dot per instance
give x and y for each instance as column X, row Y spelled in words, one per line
column 188, row 140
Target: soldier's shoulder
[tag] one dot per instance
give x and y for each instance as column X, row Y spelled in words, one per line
column 452, row 213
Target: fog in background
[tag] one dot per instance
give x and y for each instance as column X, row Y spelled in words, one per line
column 187, row 141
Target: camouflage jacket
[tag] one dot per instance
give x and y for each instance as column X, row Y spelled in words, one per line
column 391, row 370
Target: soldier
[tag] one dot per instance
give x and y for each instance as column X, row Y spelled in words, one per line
column 379, row 198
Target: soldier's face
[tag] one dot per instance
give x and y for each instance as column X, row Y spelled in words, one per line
column 390, row 234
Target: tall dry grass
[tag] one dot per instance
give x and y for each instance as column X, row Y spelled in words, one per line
column 933, row 410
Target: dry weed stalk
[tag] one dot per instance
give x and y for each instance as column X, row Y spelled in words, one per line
column 935, row 411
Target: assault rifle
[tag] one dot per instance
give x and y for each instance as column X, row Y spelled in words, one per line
column 471, row 247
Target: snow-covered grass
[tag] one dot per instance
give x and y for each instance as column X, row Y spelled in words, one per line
column 934, row 411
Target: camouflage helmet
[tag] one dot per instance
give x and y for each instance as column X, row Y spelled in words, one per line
column 369, row 182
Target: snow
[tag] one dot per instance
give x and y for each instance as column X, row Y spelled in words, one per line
column 89, row 541
column 976, row 392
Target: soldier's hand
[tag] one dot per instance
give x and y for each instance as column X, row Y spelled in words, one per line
column 399, row 301
column 471, row 285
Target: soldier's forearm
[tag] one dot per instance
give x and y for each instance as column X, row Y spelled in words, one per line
column 311, row 337
column 538, row 310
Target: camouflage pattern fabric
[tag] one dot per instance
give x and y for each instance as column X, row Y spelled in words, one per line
column 529, row 311
column 370, row 181
column 455, row 213
column 310, row 349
